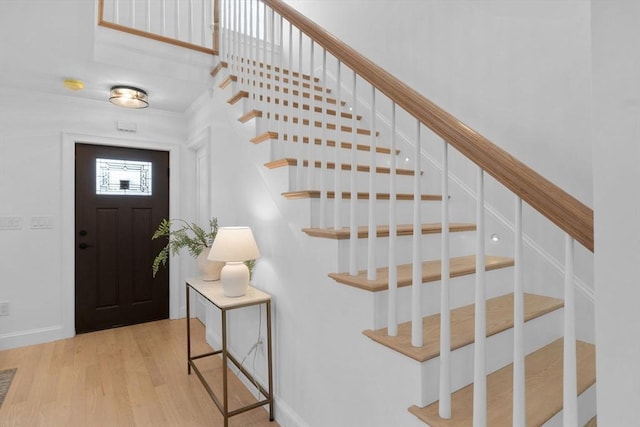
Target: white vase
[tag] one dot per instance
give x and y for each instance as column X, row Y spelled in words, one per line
column 209, row 270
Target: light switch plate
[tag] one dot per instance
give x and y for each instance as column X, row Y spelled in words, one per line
column 10, row 223
column 41, row 222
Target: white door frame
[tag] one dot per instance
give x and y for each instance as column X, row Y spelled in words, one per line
column 67, row 230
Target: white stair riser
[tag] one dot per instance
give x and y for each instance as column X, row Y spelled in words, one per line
column 538, row 333
column 404, row 215
column 404, row 183
column 499, row 282
column 460, row 244
column 586, row 409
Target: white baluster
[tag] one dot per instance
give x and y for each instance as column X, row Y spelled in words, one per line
column 353, row 210
column 337, row 202
column 190, row 39
column 479, row 357
column 416, row 283
column 148, row 16
column 273, row 109
column 203, row 25
column 246, row 56
column 116, row 11
column 445, row 306
column 163, row 14
column 371, row 241
column 265, row 76
column 311, row 131
column 299, row 127
column 252, row 67
column 133, row 14
column 177, row 19
column 324, row 176
column 392, row 310
column 519, row 396
column 570, row 380
column 292, row 111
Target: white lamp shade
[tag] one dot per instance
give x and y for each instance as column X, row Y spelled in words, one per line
column 234, row 244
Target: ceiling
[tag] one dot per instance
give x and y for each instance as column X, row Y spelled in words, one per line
column 44, row 42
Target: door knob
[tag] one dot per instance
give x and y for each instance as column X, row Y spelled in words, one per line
column 83, row 232
column 84, row 246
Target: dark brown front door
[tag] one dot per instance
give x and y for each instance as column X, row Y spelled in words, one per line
column 122, row 194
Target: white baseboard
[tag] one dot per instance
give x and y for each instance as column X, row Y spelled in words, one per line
column 32, row 337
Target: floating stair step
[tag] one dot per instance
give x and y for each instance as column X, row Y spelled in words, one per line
column 331, row 165
column 250, row 115
column 499, row 318
column 238, row 96
column 383, row 230
column 543, row 370
column 269, row 135
column 315, row 194
column 459, row 266
column 227, row 81
column 218, row 68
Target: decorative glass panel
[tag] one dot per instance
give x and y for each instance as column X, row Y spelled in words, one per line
column 123, row 177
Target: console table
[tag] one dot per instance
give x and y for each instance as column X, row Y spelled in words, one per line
column 212, row 292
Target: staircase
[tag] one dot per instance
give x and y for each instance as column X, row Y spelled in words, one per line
column 543, row 365
column 487, row 352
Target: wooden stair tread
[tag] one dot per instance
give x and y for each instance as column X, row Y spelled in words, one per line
column 315, row 194
column 383, row 230
column 543, row 370
column 331, row 165
column 218, row 68
column 499, row 318
column 266, row 136
column 237, row 97
column 459, row 266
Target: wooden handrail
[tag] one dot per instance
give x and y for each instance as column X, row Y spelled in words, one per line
column 564, row 210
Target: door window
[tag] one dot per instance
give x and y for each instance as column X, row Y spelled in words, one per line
column 123, row 177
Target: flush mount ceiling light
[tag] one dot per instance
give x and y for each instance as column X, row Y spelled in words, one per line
column 129, row 97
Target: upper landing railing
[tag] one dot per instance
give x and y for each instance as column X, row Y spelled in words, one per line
column 192, row 24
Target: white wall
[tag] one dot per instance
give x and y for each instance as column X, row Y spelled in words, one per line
column 37, row 265
column 616, row 117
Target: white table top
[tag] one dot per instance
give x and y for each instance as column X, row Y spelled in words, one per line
column 212, row 290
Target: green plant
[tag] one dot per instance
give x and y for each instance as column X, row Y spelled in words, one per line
column 188, row 235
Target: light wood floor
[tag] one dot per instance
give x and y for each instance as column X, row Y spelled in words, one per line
column 131, row 376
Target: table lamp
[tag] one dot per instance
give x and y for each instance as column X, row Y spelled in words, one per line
column 234, row 246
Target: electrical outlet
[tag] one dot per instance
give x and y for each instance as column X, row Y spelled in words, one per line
column 4, row 308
